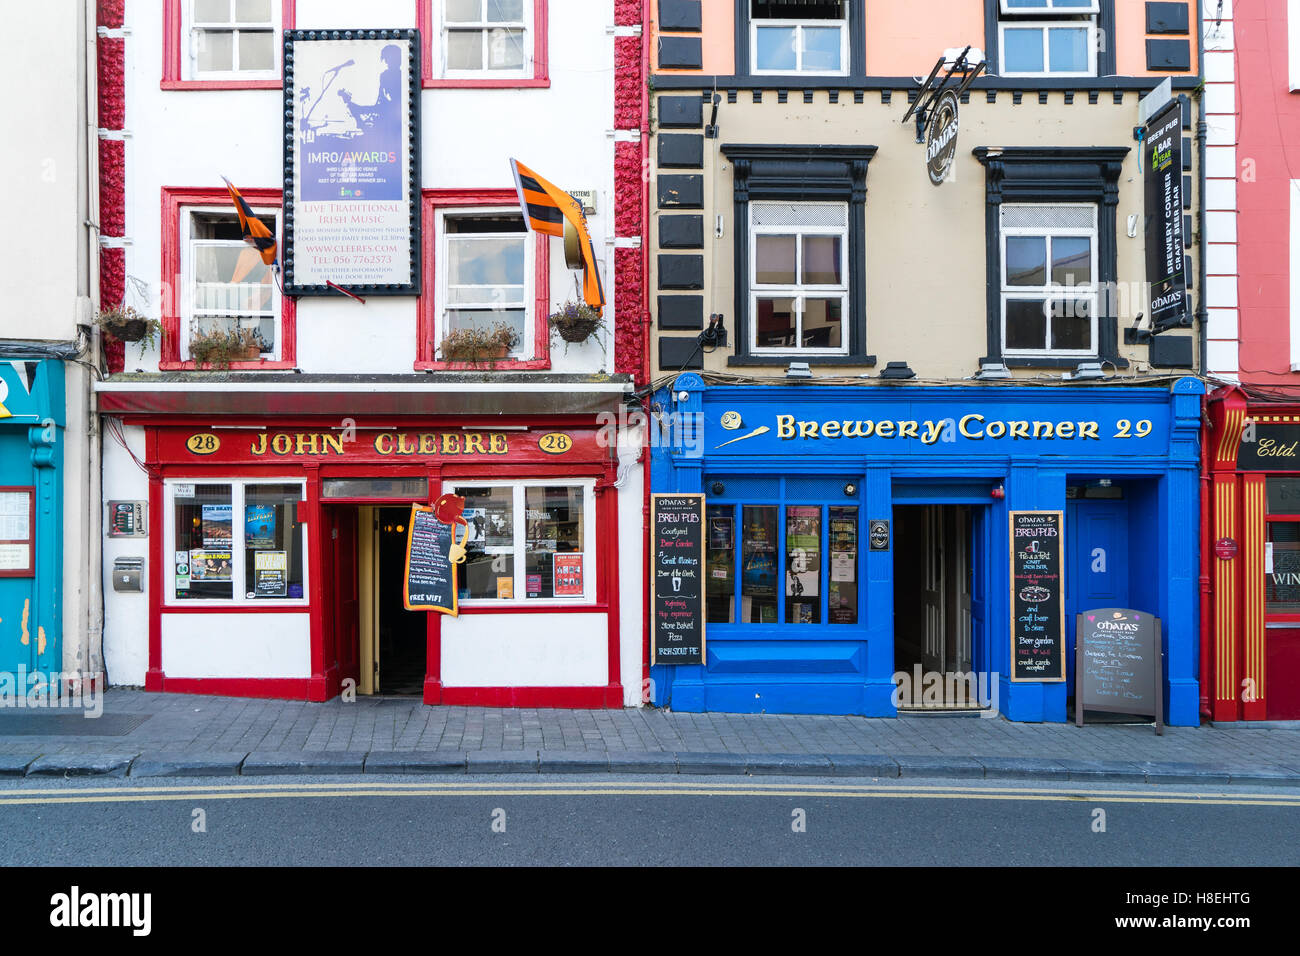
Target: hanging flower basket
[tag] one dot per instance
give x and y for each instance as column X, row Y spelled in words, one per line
column 576, row 322
column 127, row 325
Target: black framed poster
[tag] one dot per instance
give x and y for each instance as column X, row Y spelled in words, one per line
column 1037, row 598
column 352, row 162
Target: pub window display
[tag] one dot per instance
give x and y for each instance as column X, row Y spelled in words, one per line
column 1282, row 549
column 223, row 533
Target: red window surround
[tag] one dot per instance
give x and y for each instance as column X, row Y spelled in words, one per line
column 174, row 43
column 541, row 75
column 174, row 201
column 431, row 201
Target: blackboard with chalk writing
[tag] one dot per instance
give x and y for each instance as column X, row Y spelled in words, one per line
column 677, row 579
column 430, row 583
column 1037, row 583
column 1117, row 666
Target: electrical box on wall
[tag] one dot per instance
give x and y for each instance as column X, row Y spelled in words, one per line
column 128, row 519
column 128, row 574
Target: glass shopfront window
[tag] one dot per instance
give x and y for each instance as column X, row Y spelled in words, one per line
column 1282, row 547
column 810, row 578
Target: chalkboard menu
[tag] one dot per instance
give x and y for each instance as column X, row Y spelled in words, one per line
column 677, row 579
column 430, row 583
column 1037, row 581
column 1117, row 664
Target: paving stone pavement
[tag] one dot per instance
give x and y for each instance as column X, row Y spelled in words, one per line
column 203, row 735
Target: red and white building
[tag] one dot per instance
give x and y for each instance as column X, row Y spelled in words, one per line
column 1251, row 563
column 276, row 492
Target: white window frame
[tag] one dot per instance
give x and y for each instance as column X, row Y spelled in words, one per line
column 1050, row 290
column 1047, row 26
column 1293, row 43
column 798, row 291
column 188, row 282
column 445, row 26
column 238, row 570
column 1048, row 7
column 190, row 37
column 518, row 523
column 527, row 347
column 799, row 25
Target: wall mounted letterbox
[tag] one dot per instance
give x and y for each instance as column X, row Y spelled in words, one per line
column 128, row 574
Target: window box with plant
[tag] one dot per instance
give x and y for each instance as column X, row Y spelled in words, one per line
column 217, row 347
column 474, row 344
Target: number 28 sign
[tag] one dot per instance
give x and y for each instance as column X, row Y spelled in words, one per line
column 555, row 443
column 204, row 443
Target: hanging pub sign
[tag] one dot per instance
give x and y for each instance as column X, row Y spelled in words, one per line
column 677, row 579
column 1118, row 664
column 1037, row 618
column 941, row 137
column 1162, row 160
column 432, row 554
column 351, row 162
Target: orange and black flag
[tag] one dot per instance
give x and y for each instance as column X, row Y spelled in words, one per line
column 546, row 207
column 256, row 234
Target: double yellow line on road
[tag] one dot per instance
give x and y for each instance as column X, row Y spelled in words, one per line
column 128, row 792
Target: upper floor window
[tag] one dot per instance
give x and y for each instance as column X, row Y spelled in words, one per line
column 799, row 291
column 1049, row 284
column 486, row 284
column 790, row 37
column 1048, row 37
column 486, row 38
column 231, row 39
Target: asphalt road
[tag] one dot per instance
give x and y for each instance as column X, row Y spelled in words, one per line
column 648, row 821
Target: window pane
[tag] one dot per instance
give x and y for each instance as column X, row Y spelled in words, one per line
column 1072, row 260
column 487, row 320
column 464, row 11
column 1072, row 324
column 1028, row 4
column 554, row 542
column 775, row 49
column 1282, row 583
column 1026, row 260
column 273, row 559
column 776, row 323
column 264, row 327
column 1068, row 49
column 803, row 537
column 1283, row 496
column 1022, row 50
column 215, row 51
column 485, row 261
column 821, row 260
column 256, row 51
column 821, row 48
column 720, row 565
column 823, row 323
column 505, row 49
column 758, row 565
column 842, row 593
column 253, row 11
column 212, row 11
column 489, row 568
column 774, row 260
column 464, row 50
column 204, row 542
column 1026, row 324
column 505, row 11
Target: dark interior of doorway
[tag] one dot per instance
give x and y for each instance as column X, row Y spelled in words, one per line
column 402, row 633
column 933, row 627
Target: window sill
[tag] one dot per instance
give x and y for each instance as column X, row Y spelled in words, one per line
column 507, row 365
column 280, row 366
column 1049, row 362
column 533, row 608
column 865, row 361
column 222, row 85
column 468, row 83
column 302, row 607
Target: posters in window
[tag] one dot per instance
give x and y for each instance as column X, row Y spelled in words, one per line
column 210, row 565
column 217, row 528
column 568, row 575
column 182, row 561
column 352, row 161
column 270, row 573
column 259, row 526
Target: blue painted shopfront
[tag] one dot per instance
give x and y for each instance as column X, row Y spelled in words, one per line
column 804, row 616
column 31, row 464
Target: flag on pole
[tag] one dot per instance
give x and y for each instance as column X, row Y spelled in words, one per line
column 255, row 232
column 546, row 209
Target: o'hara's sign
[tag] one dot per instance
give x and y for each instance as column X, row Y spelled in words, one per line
column 941, row 137
column 970, row 427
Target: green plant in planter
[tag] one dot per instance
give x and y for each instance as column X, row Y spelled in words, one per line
column 125, row 324
column 576, row 322
column 218, row 347
column 473, row 345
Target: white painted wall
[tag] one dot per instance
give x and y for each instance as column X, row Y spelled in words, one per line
column 534, row 650
column 1221, row 107
column 631, row 566
column 236, row 645
column 126, row 615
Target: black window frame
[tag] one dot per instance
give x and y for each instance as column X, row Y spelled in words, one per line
column 856, row 15
column 993, row 16
column 800, row 173
column 1050, row 176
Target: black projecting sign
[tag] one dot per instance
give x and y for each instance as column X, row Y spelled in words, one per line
column 1037, row 580
column 1270, row 448
column 941, row 137
column 1162, row 159
column 677, row 579
column 1117, row 664
column 430, row 583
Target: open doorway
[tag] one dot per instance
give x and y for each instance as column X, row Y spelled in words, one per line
column 933, row 621
column 397, row 637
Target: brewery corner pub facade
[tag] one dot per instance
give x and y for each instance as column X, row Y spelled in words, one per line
column 926, row 348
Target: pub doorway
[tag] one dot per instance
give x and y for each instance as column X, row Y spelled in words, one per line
column 396, row 638
column 934, row 607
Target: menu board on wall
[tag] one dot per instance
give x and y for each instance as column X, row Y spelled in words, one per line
column 1117, row 665
column 430, row 580
column 1037, row 583
column 677, row 579
column 17, row 532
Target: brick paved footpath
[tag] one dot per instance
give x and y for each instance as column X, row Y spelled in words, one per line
column 199, row 735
